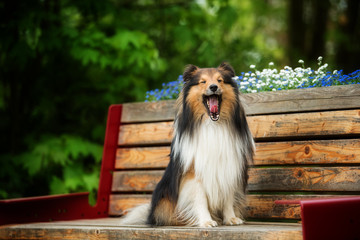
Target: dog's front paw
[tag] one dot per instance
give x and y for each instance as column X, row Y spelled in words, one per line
column 208, row 224
column 233, row 221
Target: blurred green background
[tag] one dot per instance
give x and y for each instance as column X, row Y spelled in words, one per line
column 62, row 63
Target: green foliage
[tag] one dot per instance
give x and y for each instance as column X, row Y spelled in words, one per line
column 67, row 163
column 62, row 64
column 59, row 150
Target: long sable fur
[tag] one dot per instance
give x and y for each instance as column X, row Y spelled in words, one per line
column 167, row 190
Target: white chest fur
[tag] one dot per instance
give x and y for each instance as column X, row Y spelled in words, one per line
column 215, row 150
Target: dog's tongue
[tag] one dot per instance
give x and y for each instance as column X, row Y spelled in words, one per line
column 213, row 103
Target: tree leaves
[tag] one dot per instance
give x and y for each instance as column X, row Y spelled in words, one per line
column 74, row 164
column 59, row 151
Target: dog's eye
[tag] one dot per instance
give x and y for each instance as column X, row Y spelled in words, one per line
column 203, row 82
column 219, row 80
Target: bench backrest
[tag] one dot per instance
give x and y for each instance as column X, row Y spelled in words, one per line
column 307, row 147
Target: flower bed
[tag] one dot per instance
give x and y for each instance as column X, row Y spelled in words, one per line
column 271, row 79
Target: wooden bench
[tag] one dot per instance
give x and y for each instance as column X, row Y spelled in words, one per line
column 307, row 148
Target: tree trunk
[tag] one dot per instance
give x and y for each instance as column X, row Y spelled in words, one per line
column 318, row 27
column 348, row 47
column 296, row 30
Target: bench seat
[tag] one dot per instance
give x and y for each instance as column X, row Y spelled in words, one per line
column 108, row 228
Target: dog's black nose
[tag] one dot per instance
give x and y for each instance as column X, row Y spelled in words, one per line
column 213, row 87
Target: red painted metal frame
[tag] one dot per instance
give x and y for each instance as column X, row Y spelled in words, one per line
column 329, row 218
column 70, row 206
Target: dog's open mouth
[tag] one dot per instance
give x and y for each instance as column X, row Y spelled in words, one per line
column 212, row 103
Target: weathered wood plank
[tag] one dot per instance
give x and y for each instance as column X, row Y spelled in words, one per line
column 302, row 100
column 260, row 179
column 344, row 151
column 131, row 181
column 258, row 206
column 305, row 179
column 306, row 124
column 146, row 133
column 120, row 204
column 148, row 111
column 262, row 127
column 264, row 207
column 110, row 229
column 142, row 158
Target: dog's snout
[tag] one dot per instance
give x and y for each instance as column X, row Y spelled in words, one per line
column 213, row 87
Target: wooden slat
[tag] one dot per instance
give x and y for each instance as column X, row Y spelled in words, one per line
column 305, row 179
column 343, row 151
column 260, row 179
column 131, row 181
column 302, row 100
column 148, row 111
column 142, row 158
column 258, row 206
column 305, row 124
column 110, row 229
column 120, row 204
column 147, row 133
column 264, row 207
column 262, row 127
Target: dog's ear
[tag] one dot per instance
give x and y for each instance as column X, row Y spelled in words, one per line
column 224, row 66
column 189, row 72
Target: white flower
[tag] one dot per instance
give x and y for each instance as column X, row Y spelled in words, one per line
column 319, row 60
column 254, row 91
column 247, row 74
column 252, row 66
column 335, row 72
column 301, row 61
column 271, row 64
column 299, row 69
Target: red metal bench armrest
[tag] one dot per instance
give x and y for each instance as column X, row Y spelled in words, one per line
column 329, row 218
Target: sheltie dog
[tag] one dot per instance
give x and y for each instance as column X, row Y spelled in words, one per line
column 205, row 182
